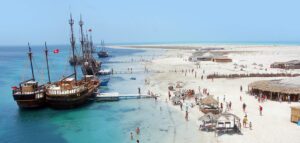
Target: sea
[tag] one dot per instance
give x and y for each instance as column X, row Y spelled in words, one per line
column 101, row 122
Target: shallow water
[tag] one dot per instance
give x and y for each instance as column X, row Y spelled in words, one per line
column 97, row 121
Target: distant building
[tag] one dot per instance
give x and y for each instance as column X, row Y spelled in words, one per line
column 221, row 59
column 201, row 56
column 294, row 64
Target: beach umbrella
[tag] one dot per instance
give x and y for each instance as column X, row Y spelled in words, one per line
column 209, row 100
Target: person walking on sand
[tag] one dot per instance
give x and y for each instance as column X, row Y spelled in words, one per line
column 137, row 130
column 260, row 110
column 139, row 90
column 221, row 104
column 244, row 107
column 169, row 95
column 250, row 125
column 186, row 115
column 224, row 98
column 181, row 106
column 245, row 120
column 131, row 136
column 230, row 105
column 240, row 98
column 241, row 88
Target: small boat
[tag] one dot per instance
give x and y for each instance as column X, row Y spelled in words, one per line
column 105, row 72
column 104, row 82
column 103, row 53
column 132, row 78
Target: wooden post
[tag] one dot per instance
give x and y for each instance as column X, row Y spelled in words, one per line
column 271, row 96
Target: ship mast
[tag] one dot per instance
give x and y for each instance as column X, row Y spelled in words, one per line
column 91, row 40
column 72, row 40
column 46, row 53
column 82, row 37
column 87, row 46
column 30, row 59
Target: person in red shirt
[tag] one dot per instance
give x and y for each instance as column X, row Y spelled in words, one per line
column 260, row 110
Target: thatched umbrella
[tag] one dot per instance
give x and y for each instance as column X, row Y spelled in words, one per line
column 209, row 100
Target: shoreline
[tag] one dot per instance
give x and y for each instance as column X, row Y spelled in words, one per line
column 197, row 46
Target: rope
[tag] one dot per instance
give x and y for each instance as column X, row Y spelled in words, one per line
column 39, row 71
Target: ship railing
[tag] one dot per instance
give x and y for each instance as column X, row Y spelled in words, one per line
column 65, row 92
column 38, row 90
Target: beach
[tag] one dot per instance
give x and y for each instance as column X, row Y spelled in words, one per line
column 154, row 68
column 273, row 126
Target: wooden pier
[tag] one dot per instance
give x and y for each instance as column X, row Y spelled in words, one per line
column 115, row 96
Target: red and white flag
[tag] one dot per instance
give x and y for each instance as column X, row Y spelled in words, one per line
column 14, row 88
column 56, row 51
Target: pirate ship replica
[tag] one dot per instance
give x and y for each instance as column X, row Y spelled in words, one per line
column 69, row 92
column 29, row 94
column 103, row 53
column 89, row 65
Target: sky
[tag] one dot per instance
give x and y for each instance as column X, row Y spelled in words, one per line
column 150, row 21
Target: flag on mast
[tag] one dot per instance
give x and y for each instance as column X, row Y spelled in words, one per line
column 56, row 51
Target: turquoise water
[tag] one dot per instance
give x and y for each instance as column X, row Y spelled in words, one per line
column 96, row 122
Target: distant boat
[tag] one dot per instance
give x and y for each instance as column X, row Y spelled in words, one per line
column 132, row 78
column 103, row 53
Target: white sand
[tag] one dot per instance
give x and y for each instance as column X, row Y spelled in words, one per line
column 273, row 127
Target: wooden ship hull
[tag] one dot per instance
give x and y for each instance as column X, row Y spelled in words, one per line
column 29, row 95
column 29, row 101
column 65, row 97
column 69, row 101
